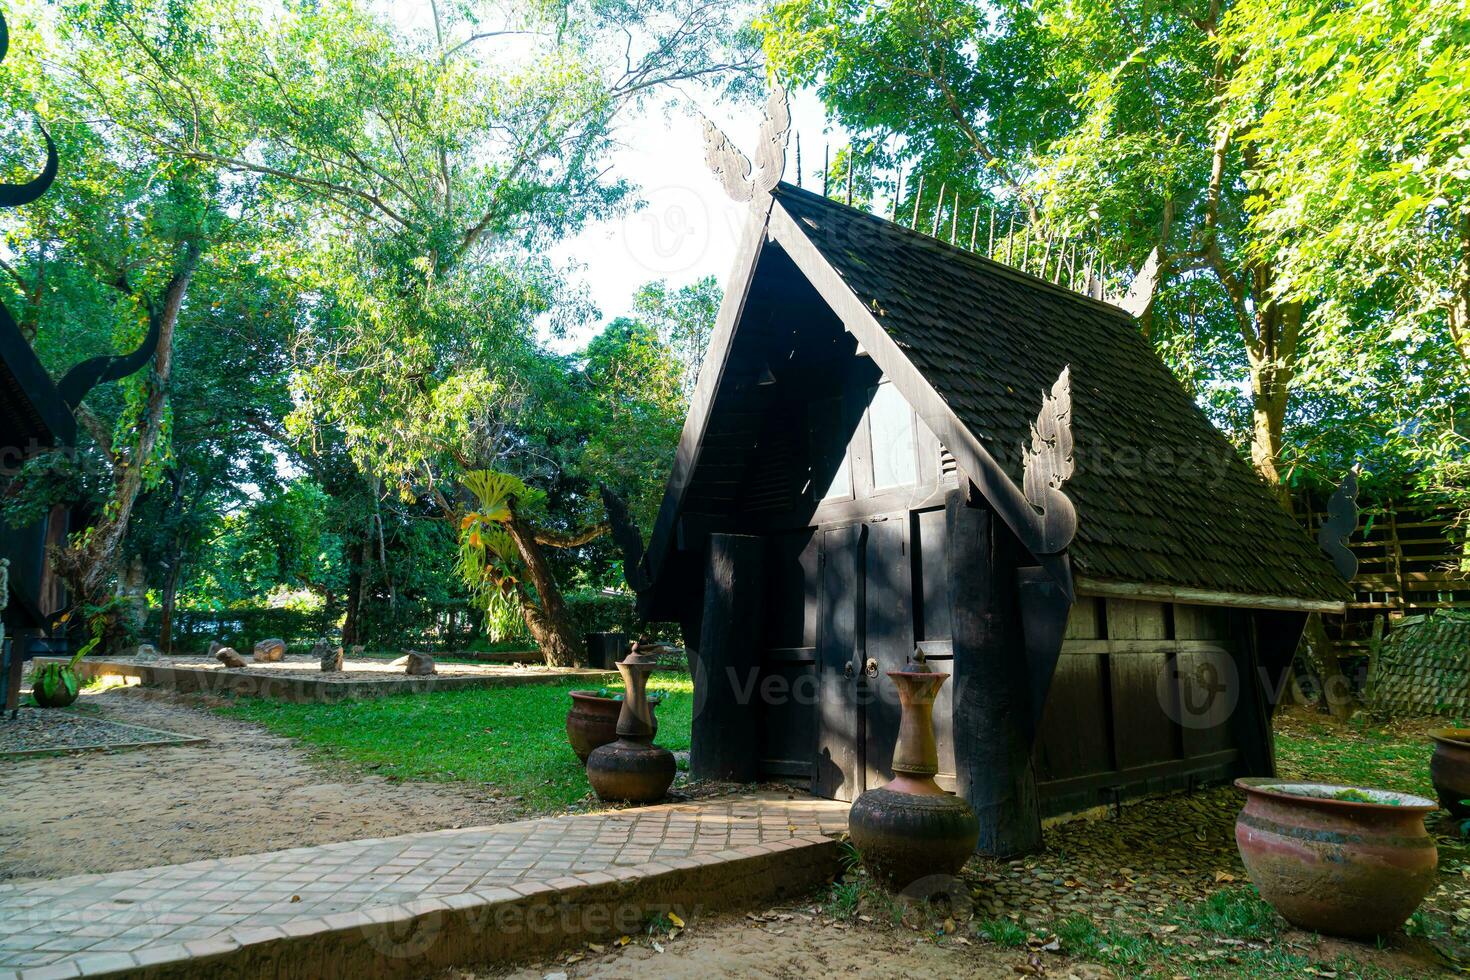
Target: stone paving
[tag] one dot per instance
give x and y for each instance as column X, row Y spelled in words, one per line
column 95, row 924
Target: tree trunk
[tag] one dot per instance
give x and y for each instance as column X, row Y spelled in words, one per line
column 1271, row 352
column 353, row 628
column 166, row 612
column 350, row 625
column 89, row 568
column 546, row 614
column 1337, row 695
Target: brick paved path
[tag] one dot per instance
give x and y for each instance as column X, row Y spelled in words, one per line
column 98, row 923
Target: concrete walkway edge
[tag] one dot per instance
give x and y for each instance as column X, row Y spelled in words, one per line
column 491, row 924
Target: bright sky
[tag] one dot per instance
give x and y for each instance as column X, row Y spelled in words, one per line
column 685, row 227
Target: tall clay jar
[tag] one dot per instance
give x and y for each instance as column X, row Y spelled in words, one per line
column 909, row 829
column 632, row 768
column 1337, row 859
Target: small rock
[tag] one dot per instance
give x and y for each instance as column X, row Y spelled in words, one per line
column 270, row 651
column 356, row 650
column 215, row 646
column 146, row 651
column 229, row 657
column 328, row 655
column 399, row 662
column 419, row 663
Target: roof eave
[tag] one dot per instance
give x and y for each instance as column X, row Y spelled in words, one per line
column 1105, row 588
column 686, row 457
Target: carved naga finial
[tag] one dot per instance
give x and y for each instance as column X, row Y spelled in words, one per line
column 1342, row 521
column 18, row 195
column 1048, row 465
column 733, row 167
column 1141, row 290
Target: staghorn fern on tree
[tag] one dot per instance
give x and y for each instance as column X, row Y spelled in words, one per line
column 502, row 563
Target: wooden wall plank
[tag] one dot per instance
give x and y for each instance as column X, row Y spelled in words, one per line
column 888, row 640
column 724, row 735
column 839, row 649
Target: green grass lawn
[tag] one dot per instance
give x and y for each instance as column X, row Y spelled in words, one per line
column 1358, row 753
column 512, row 738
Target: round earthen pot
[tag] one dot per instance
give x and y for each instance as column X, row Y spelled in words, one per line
column 909, row 829
column 1337, row 859
column 593, row 721
column 905, row 838
column 1449, row 768
column 631, row 771
column 633, row 768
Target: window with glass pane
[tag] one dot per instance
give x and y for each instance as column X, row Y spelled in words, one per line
column 829, row 451
column 895, row 456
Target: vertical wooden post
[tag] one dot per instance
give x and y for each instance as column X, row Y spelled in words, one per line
column 991, row 695
column 725, row 732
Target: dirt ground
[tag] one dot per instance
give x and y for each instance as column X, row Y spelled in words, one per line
column 242, row 792
column 735, row 946
column 810, row 946
column 247, row 791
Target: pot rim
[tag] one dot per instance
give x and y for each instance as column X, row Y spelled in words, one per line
column 1457, row 737
column 1281, row 789
column 654, row 697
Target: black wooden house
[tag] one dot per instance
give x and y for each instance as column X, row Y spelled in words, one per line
column 851, row 487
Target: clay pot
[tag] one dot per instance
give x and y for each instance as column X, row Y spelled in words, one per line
column 632, row 768
column 910, row 829
column 1449, row 768
column 1355, row 866
column 55, row 685
column 593, row 721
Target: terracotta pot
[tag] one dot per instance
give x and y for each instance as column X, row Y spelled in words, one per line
column 632, row 768
column 909, row 829
column 55, row 685
column 1449, row 768
column 1346, row 867
column 593, row 722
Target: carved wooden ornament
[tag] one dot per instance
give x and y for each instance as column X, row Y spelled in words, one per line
column 1342, row 521
column 733, row 168
column 1048, row 465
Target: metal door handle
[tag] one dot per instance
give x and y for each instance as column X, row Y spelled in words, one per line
column 847, row 669
column 871, row 667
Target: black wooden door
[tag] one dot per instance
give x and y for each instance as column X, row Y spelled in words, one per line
column 838, row 773
column 888, row 641
column 867, row 629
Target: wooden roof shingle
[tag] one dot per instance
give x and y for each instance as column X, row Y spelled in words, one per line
column 1162, row 496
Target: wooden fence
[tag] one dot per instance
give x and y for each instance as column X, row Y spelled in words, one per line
column 1411, row 561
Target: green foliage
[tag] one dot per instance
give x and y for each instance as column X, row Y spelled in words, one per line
column 1238, row 913
column 54, row 685
column 1002, row 932
column 1277, row 154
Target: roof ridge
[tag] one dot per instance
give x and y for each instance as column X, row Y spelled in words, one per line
column 787, row 189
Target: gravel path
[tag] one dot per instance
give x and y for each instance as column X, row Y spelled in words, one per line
column 45, row 730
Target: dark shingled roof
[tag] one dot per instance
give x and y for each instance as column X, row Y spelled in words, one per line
column 1162, row 497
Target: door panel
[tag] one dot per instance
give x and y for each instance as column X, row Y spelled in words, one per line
column 838, row 771
column 888, row 641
